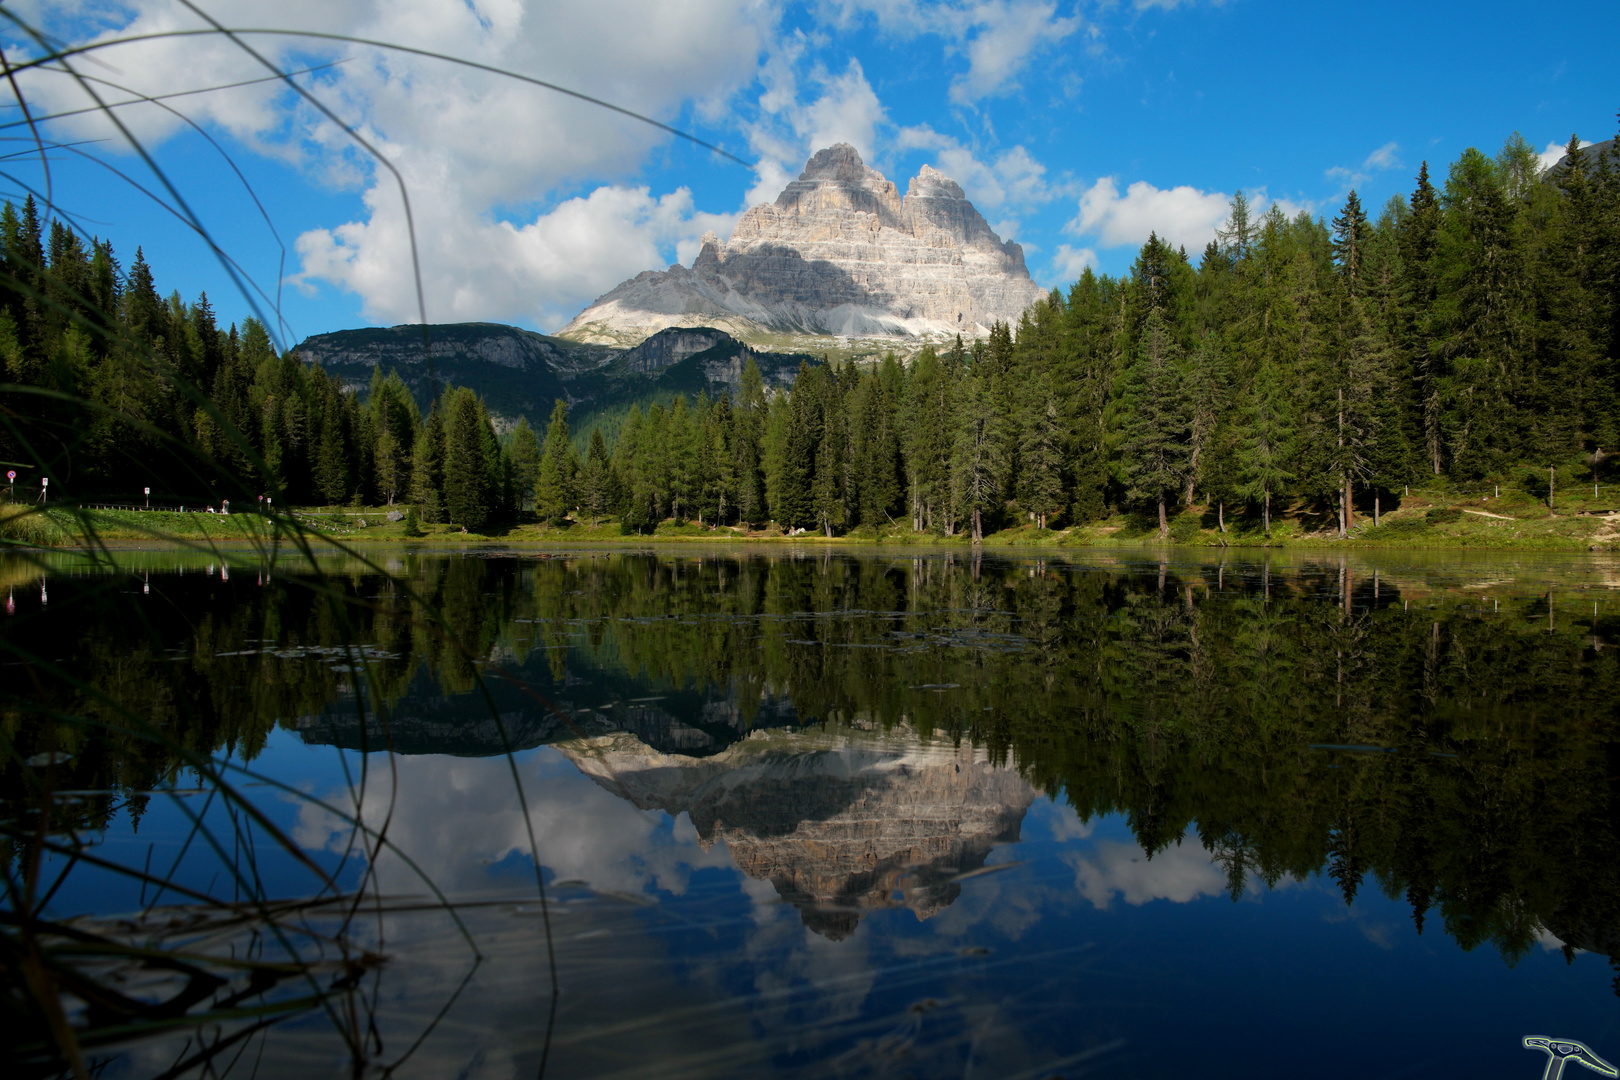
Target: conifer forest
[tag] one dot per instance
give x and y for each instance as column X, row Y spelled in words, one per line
column 1466, row 333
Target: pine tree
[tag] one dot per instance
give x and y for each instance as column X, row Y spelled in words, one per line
column 1418, row 287
column 928, row 441
column 1573, row 396
column 719, row 463
column 1041, row 452
column 1265, row 443
column 554, row 477
column 1350, row 241
column 331, row 475
column 874, row 448
column 1154, row 450
column 797, row 444
column 748, row 433
column 684, row 450
column 427, row 462
column 1482, row 320
column 826, row 492
column 525, row 458
column 1206, row 383
column 467, row 495
column 976, row 461
column 595, row 494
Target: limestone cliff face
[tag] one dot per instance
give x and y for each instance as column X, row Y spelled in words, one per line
column 839, row 253
column 838, row 827
column 669, row 347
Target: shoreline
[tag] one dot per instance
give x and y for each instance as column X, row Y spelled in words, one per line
column 1426, row 526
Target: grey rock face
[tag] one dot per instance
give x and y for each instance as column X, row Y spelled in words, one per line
column 671, row 346
column 838, row 253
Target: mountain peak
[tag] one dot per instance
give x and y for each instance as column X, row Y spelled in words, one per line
column 840, row 161
column 930, row 183
column 838, row 254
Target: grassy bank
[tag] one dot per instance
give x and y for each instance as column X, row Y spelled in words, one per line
column 1579, row 521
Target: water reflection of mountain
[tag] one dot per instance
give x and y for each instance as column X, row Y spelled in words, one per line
column 838, row 827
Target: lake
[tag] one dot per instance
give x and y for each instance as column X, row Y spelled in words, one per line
column 818, row 812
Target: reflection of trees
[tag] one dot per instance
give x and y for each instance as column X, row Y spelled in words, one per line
column 1490, row 803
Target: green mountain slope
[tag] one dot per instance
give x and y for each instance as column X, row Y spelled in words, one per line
column 521, row 373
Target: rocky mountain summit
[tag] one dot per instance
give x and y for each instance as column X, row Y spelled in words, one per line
column 838, row 254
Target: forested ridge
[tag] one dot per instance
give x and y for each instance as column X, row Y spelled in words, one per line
column 1466, row 333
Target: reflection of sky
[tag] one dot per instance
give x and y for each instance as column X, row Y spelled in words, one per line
column 1080, row 946
column 459, row 817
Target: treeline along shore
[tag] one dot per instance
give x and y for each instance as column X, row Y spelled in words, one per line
column 1299, row 375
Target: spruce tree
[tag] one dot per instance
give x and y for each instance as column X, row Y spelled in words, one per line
column 1153, row 402
column 554, row 476
column 929, row 405
column 796, row 444
column 427, row 462
column 976, row 462
column 331, row 475
column 467, row 495
column 525, row 458
column 595, row 494
column 719, row 470
column 875, row 450
column 1041, row 452
column 1419, row 289
column 1265, row 444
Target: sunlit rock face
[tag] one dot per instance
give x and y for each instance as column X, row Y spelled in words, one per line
column 838, row 253
column 839, row 828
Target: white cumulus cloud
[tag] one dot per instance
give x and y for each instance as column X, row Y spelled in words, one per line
column 1013, row 179
column 473, row 147
column 1069, row 262
column 1182, row 215
column 1004, row 35
column 544, row 270
column 997, row 37
column 841, row 107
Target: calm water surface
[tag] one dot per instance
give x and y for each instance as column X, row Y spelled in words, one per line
column 834, row 814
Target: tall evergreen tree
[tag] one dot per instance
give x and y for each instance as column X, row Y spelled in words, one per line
column 976, row 463
column 468, row 498
column 1154, row 454
column 554, row 477
column 525, row 458
column 595, row 486
column 1041, row 452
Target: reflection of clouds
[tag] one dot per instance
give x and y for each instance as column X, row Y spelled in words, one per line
column 1062, row 821
column 1178, row 874
column 1006, row 904
column 1379, row 933
column 457, row 816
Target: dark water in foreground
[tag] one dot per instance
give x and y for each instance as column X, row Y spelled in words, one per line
column 850, row 814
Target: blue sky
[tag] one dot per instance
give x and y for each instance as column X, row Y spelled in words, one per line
column 1075, row 127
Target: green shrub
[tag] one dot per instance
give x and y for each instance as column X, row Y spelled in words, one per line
column 1185, row 527
column 1442, row 515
